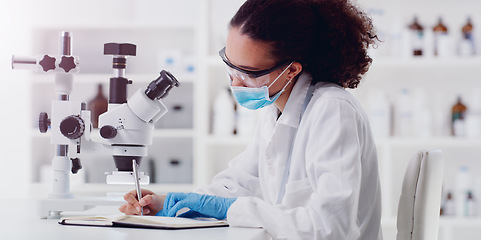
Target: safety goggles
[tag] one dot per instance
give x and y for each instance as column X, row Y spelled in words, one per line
column 249, row 78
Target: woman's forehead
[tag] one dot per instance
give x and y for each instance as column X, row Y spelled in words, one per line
column 247, row 53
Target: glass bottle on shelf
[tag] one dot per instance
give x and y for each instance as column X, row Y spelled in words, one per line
column 470, row 205
column 466, row 46
column 97, row 106
column 416, row 32
column 441, row 39
column 464, row 184
column 458, row 112
column 449, row 206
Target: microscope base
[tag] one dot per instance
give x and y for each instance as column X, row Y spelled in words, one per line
column 53, row 207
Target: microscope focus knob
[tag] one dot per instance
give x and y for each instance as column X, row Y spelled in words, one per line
column 43, row 122
column 108, row 132
column 67, row 63
column 72, row 127
column 76, row 165
column 47, row 63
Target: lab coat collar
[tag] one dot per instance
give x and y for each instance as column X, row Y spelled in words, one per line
column 292, row 111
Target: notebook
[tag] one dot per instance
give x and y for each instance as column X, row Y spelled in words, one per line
column 136, row 221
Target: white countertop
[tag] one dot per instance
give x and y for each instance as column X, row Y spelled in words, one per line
column 19, row 220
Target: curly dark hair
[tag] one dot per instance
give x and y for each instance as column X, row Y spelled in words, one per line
column 330, row 38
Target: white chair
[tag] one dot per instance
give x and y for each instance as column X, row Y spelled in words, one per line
column 419, row 204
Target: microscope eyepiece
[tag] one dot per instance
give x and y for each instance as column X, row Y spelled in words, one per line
column 160, row 87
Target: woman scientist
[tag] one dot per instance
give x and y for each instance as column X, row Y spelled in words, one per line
column 311, row 171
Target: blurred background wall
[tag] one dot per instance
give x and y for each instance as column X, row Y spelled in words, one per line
column 415, row 98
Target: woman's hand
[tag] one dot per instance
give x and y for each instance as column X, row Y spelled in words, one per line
column 151, row 202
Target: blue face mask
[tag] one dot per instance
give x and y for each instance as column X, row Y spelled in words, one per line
column 255, row 98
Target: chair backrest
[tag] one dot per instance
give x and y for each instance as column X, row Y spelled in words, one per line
column 419, row 204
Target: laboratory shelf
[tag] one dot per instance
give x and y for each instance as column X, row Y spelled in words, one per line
column 93, row 188
column 452, row 76
column 120, row 25
column 228, row 141
column 423, row 62
column 90, row 78
column 441, row 141
column 392, row 141
column 39, row 190
column 158, row 133
column 444, row 221
column 460, row 221
column 173, row 133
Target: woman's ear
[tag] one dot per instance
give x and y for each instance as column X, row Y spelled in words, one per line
column 294, row 70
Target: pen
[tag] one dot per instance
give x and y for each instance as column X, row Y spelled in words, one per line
column 137, row 184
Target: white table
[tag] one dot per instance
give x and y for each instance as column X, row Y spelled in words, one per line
column 19, row 220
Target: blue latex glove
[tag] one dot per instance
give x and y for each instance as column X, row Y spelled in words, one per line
column 200, row 205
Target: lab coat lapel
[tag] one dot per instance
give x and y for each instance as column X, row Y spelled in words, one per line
column 284, row 128
column 294, row 105
column 279, row 135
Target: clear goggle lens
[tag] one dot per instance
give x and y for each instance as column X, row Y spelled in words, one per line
column 248, row 80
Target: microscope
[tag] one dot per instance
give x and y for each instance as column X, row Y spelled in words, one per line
column 125, row 129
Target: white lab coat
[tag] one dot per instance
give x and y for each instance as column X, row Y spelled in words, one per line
column 333, row 189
